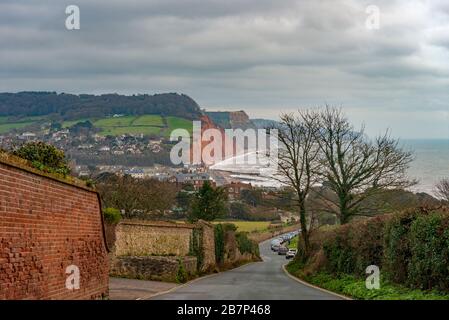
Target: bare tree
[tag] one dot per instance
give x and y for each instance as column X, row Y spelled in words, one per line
column 442, row 189
column 144, row 198
column 298, row 160
column 356, row 168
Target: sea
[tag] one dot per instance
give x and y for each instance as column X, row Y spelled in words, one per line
column 430, row 164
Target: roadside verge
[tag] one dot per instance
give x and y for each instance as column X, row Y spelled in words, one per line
column 313, row 286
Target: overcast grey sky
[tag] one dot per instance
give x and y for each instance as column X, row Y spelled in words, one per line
column 263, row 56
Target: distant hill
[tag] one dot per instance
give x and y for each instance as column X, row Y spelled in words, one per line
column 72, row 107
column 113, row 114
column 264, row 123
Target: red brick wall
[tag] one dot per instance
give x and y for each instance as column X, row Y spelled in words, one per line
column 45, row 226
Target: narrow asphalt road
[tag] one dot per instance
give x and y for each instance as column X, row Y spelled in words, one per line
column 258, row 281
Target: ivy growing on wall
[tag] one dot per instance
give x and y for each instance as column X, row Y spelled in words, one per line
column 196, row 246
column 219, row 243
column 181, row 275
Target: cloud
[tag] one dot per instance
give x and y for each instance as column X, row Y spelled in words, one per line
column 259, row 55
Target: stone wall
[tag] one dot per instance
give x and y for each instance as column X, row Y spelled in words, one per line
column 153, row 249
column 208, row 245
column 47, row 225
column 153, row 267
column 142, row 238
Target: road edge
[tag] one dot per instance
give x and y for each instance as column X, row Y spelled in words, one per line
column 193, row 281
column 313, row 286
column 176, row 287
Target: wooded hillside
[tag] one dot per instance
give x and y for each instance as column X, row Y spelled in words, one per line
column 70, row 106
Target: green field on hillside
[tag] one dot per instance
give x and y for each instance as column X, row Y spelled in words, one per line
column 125, row 121
column 116, row 131
column 68, row 124
column 7, row 124
column 178, row 123
column 146, row 124
column 6, row 127
column 149, row 120
column 32, row 119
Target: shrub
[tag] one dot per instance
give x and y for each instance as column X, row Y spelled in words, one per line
column 397, row 247
column 368, row 241
column 44, row 157
column 246, row 245
column 112, row 215
column 349, row 249
column 339, row 252
column 229, row 227
column 429, row 248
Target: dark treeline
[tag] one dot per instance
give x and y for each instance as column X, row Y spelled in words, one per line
column 70, row 106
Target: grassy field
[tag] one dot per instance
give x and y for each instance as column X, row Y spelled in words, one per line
column 6, row 124
column 178, row 123
column 244, row 226
column 6, row 127
column 125, row 121
column 67, row 124
column 32, row 119
column 116, row 131
column 149, row 120
column 248, row 226
column 146, row 124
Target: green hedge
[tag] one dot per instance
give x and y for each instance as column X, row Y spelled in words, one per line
column 417, row 250
column 351, row 248
column 410, row 248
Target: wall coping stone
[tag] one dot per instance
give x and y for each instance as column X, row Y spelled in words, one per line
column 157, row 224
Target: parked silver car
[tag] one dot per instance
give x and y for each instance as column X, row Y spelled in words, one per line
column 275, row 244
column 290, row 254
